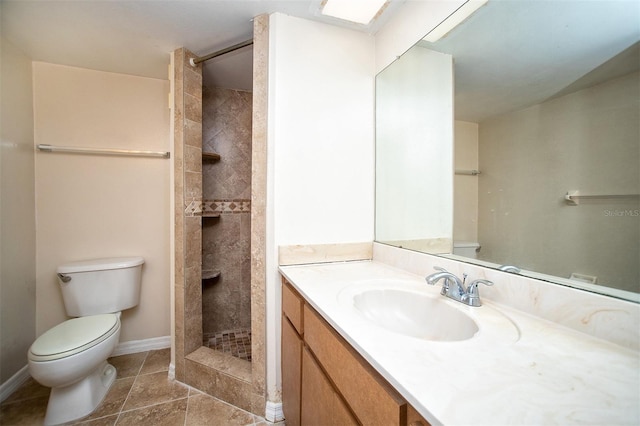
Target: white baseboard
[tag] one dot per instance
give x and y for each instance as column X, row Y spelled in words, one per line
column 14, row 382
column 135, row 346
column 273, row 412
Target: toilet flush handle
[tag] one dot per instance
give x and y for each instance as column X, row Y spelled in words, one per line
column 64, row 278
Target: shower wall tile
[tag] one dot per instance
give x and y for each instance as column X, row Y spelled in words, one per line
column 193, row 208
column 227, row 131
column 179, row 330
column 193, row 133
column 218, row 384
column 193, row 285
column 187, row 114
column 226, row 124
column 193, row 82
column 192, row 108
column 227, row 300
column 193, row 240
column 193, row 159
column 178, row 142
column 222, row 362
column 258, row 209
column 192, row 186
column 231, row 389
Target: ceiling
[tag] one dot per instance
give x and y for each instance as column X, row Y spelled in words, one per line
column 508, row 55
column 513, row 54
column 135, row 37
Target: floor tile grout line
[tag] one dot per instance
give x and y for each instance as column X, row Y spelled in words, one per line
column 122, row 410
column 142, row 364
column 128, row 395
column 186, row 411
column 153, row 405
column 135, row 378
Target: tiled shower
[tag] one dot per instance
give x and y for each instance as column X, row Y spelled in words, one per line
column 226, row 221
column 232, row 379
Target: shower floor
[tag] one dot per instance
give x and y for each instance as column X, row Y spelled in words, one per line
column 234, row 342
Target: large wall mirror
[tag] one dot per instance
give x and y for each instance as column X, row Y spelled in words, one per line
column 514, row 140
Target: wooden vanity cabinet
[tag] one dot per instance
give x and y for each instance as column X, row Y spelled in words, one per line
column 320, row 403
column 291, row 355
column 325, row 381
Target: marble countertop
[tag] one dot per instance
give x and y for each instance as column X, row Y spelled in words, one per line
column 518, row 369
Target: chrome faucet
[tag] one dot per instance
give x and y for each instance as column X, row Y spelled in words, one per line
column 454, row 288
column 510, row 268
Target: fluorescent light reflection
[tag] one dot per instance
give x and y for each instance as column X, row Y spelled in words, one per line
column 359, row 11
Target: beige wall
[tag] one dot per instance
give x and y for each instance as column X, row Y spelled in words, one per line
column 92, row 206
column 587, row 141
column 17, row 217
column 465, row 187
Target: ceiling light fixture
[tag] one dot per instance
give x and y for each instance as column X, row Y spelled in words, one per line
column 358, row 11
column 455, row 19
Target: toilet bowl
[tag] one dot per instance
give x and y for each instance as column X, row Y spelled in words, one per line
column 71, row 358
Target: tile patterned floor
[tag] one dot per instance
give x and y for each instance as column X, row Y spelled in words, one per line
column 141, row 395
column 234, row 342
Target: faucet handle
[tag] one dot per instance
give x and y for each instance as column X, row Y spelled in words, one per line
column 473, row 295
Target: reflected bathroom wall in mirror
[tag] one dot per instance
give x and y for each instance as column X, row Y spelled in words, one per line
column 414, row 116
column 547, row 101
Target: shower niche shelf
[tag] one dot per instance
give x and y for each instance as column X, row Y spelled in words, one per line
column 211, row 215
column 210, row 274
column 210, row 156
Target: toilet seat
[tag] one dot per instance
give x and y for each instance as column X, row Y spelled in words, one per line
column 73, row 336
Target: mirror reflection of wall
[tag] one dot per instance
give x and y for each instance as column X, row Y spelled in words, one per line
column 414, row 116
column 529, row 158
column 547, row 100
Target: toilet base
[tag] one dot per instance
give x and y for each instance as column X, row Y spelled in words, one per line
column 80, row 398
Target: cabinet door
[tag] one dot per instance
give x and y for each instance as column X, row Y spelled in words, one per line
column 291, row 373
column 321, row 405
column 372, row 400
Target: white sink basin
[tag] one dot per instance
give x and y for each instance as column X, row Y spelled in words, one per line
column 412, row 309
column 415, row 314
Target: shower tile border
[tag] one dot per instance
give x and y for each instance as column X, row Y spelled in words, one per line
column 212, row 207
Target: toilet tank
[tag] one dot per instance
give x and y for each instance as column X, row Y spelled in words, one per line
column 466, row 248
column 100, row 286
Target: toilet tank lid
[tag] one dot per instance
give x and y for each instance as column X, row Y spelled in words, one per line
column 100, row 264
column 464, row 244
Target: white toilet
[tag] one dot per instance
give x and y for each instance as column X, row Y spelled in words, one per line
column 71, row 358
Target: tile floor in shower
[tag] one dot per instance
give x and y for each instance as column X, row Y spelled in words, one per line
column 234, row 342
column 141, row 395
